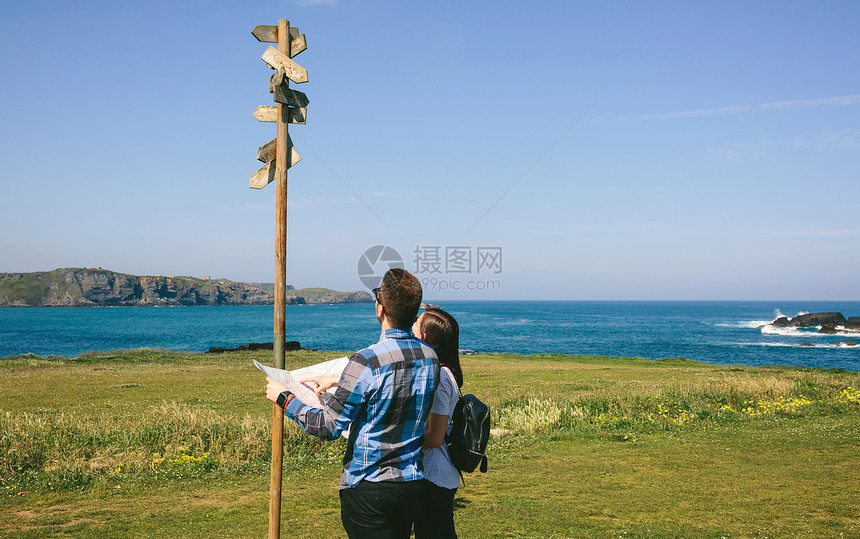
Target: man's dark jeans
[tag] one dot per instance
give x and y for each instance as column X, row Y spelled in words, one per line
column 382, row 510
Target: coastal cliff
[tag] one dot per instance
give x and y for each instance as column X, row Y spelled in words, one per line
column 93, row 287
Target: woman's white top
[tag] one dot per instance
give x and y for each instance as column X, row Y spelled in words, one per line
column 437, row 466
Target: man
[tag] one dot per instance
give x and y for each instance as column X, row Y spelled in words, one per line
column 383, row 397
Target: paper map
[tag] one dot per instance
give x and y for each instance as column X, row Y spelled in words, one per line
column 305, row 392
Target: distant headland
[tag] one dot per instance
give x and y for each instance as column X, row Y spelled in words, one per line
column 96, row 287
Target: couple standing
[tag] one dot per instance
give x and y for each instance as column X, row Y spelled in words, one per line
column 396, row 398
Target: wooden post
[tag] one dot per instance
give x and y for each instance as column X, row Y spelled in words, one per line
column 281, row 157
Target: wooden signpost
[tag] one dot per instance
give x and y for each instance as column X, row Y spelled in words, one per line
column 279, row 155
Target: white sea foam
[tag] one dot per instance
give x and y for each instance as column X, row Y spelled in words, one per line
column 791, row 331
column 748, row 324
column 509, row 322
column 841, row 331
column 755, row 324
column 831, row 346
column 767, row 327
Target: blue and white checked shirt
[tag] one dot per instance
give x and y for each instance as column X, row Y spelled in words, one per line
column 384, row 397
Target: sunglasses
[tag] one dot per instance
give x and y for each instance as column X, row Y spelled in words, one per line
column 376, row 294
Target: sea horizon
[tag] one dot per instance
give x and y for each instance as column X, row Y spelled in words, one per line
column 729, row 332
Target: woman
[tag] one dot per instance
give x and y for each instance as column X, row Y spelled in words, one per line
column 435, row 518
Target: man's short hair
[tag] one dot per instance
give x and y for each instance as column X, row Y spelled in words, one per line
column 400, row 295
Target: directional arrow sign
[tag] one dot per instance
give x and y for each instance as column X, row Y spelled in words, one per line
column 278, row 60
column 298, row 45
column 290, row 97
column 265, row 33
column 269, row 113
column 266, row 113
column 267, row 152
column 269, row 34
column 278, row 77
column 266, row 175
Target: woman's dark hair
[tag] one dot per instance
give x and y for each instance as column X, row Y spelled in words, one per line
column 442, row 332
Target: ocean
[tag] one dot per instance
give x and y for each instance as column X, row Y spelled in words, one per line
column 727, row 333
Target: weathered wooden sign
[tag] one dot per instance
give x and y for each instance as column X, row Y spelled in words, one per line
column 269, row 34
column 278, row 60
column 266, row 33
column 266, row 174
column 269, row 113
column 294, row 102
column 298, row 45
column 290, row 97
column 267, row 154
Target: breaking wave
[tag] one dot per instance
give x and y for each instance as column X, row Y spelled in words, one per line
column 745, row 324
column 808, row 332
column 765, row 325
column 767, row 328
column 791, row 331
column 798, row 345
column 778, row 314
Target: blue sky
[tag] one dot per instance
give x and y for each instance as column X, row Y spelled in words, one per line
column 614, row 150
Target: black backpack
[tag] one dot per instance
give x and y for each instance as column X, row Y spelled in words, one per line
column 469, row 434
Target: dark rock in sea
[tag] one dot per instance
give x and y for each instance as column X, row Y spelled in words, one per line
column 781, row 322
column 806, row 344
column 818, row 319
column 829, row 329
column 853, row 322
column 846, row 343
column 289, row 346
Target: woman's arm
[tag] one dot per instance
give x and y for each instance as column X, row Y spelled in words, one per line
column 434, row 430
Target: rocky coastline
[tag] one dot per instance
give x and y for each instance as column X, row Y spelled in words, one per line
column 824, row 320
column 96, row 287
column 827, row 323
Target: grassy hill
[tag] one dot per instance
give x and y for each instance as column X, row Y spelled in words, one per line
column 161, row 444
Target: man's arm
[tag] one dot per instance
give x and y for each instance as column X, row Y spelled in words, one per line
column 342, row 408
column 274, row 388
column 322, row 383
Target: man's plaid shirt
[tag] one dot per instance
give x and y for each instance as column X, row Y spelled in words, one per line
column 383, row 397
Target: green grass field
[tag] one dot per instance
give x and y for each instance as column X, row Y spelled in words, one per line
column 150, row 443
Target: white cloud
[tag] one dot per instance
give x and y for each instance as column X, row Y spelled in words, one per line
column 738, row 150
column 384, row 194
column 831, row 139
column 819, row 233
column 838, row 101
